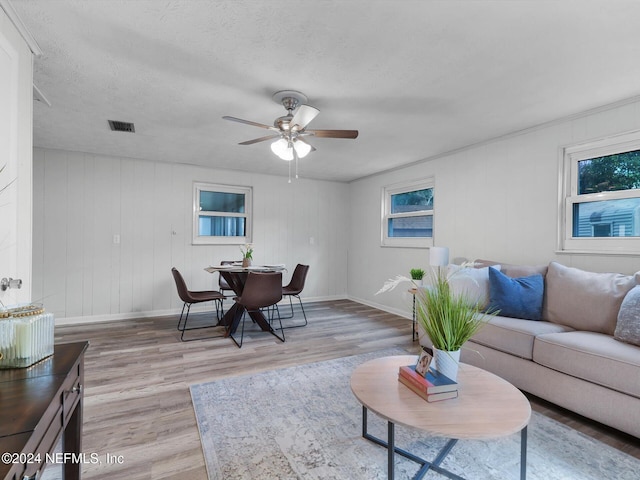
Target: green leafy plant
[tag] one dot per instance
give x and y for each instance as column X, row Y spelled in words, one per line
column 447, row 318
column 247, row 251
column 417, row 273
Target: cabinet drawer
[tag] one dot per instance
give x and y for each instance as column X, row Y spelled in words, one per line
column 72, row 391
column 47, row 444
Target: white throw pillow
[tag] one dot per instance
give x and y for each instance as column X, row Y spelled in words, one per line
column 471, row 282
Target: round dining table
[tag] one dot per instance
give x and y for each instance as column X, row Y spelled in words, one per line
column 236, row 276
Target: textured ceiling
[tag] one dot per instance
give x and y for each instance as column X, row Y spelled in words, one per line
column 416, row 78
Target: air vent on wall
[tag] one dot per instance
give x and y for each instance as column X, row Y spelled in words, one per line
column 118, row 126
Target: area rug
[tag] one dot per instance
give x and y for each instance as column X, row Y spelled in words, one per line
column 304, row 423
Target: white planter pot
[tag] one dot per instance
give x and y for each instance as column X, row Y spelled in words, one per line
column 446, row 362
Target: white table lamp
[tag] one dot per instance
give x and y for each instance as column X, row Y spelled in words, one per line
column 438, row 256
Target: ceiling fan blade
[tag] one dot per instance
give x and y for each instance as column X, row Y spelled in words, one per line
column 257, row 140
column 303, row 116
column 333, row 133
column 249, row 122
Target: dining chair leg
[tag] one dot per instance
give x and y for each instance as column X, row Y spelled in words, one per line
column 241, row 332
column 270, row 319
column 304, row 314
column 184, row 328
column 290, row 315
column 219, row 309
column 271, row 312
column 184, row 304
column 273, row 331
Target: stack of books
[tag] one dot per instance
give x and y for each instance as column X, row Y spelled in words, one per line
column 433, row 388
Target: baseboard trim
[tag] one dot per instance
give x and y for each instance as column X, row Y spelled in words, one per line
column 380, row 306
column 116, row 317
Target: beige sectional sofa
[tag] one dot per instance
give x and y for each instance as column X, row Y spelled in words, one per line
column 579, row 355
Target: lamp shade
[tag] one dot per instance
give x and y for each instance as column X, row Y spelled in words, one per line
column 302, row 148
column 438, row 256
column 282, row 149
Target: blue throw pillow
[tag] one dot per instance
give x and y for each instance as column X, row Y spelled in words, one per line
column 516, row 297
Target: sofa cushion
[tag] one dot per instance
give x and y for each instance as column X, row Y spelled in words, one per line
column 516, row 297
column 514, row 336
column 480, row 263
column 513, row 271
column 524, row 270
column 584, row 300
column 591, row 356
column 471, row 282
column 628, row 325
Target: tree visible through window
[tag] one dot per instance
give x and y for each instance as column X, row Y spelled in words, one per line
column 602, row 195
column 609, row 173
column 408, row 215
column 608, row 218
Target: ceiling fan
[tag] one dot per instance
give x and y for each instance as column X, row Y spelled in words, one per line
column 290, row 132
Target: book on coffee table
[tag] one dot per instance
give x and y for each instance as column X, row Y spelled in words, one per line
column 432, row 383
column 429, row 397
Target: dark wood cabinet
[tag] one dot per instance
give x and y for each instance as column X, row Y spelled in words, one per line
column 38, row 405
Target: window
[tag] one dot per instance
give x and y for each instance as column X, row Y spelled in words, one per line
column 221, row 214
column 601, row 196
column 407, row 214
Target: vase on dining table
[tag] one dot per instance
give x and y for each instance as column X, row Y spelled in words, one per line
column 246, row 262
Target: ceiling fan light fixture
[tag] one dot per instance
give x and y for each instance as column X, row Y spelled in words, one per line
column 287, row 132
column 302, row 148
column 282, row 149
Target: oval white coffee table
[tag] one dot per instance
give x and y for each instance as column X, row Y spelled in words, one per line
column 487, row 407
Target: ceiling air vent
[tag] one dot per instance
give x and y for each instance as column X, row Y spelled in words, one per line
column 117, row 126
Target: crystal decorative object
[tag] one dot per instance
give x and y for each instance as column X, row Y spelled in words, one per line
column 26, row 336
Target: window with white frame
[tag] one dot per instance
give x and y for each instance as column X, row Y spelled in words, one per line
column 601, row 196
column 407, row 214
column 221, row 214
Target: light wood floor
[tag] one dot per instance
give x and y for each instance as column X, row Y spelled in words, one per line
column 137, row 377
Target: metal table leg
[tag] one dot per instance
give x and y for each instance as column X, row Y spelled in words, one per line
column 414, row 319
column 391, row 450
column 425, row 465
column 523, row 453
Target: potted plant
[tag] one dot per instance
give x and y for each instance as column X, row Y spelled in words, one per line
column 449, row 320
column 247, row 255
column 417, row 274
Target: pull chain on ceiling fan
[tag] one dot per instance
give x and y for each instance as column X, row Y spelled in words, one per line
column 289, row 131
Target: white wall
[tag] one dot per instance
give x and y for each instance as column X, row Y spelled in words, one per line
column 498, row 200
column 81, row 201
column 495, row 201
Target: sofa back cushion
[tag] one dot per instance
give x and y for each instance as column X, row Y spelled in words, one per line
column 585, row 300
column 514, row 271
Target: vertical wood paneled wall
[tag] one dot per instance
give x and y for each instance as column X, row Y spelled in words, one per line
column 498, row 200
column 82, row 200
